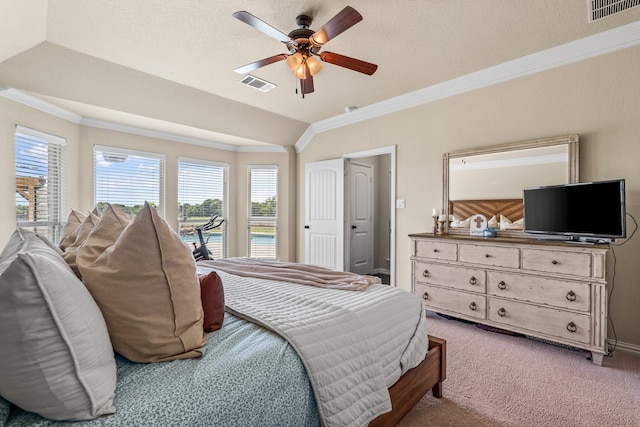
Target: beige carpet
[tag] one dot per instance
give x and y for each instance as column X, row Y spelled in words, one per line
column 501, row 380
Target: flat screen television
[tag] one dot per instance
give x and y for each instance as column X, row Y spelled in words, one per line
column 586, row 211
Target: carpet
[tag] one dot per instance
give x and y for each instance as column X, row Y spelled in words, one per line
column 501, row 380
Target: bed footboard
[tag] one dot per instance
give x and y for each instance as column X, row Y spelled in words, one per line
column 416, row 382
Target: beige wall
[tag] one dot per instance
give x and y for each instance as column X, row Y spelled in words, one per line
column 80, row 143
column 599, row 99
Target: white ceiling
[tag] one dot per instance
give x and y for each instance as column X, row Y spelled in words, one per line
column 168, row 66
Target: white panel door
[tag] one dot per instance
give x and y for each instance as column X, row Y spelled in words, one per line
column 361, row 218
column 324, row 214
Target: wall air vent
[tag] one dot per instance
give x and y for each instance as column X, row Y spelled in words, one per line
column 256, row 83
column 599, row 9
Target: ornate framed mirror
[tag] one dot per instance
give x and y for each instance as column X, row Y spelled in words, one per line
column 489, row 180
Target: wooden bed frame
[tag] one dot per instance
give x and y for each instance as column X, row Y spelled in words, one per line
column 415, row 383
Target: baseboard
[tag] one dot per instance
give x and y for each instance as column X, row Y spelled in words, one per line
column 381, row 271
column 623, row 346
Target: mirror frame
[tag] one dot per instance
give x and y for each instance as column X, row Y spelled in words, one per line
column 572, row 174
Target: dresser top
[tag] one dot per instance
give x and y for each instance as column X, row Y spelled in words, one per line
column 509, row 240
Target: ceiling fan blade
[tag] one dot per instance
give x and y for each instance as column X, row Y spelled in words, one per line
column 260, row 25
column 306, row 85
column 350, row 63
column 344, row 20
column 261, row 63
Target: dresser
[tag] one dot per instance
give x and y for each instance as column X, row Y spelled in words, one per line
column 551, row 290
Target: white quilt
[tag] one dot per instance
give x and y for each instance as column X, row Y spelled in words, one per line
column 354, row 345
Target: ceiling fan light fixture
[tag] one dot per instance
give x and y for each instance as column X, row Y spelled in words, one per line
column 294, row 61
column 315, row 66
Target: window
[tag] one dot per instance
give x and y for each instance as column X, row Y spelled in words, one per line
column 202, row 193
column 127, row 179
column 40, row 178
column 263, row 211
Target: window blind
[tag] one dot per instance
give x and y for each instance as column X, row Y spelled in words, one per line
column 40, row 177
column 127, row 178
column 263, row 211
column 202, row 193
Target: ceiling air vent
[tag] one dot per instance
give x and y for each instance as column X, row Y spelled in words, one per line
column 256, row 83
column 599, row 9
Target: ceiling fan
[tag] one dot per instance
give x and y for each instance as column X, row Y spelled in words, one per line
column 304, row 46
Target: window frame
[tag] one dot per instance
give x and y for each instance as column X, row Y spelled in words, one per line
column 225, row 197
column 271, row 220
column 161, row 207
column 55, row 218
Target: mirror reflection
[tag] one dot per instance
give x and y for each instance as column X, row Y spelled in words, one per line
column 504, row 175
column 475, row 179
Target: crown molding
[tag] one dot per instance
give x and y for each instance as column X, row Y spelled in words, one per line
column 47, row 107
column 39, row 104
column 102, row 124
column 588, row 47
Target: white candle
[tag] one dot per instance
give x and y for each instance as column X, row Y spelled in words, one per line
column 435, row 212
column 442, row 217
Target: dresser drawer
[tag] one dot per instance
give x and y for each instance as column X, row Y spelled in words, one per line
column 437, row 250
column 573, row 263
column 499, row 256
column 553, row 292
column 463, row 303
column 468, row 279
column 558, row 323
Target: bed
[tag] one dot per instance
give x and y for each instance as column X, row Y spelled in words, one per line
column 255, row 370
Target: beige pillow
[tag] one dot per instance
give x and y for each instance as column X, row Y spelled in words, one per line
column 70, row 230
column 103, row 235
column 148, row 291
column 71, row 251
column 55, row 358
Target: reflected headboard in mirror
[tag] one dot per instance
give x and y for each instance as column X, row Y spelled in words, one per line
column 510, row 208
column 488, row 177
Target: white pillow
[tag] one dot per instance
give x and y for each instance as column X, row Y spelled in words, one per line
column 56, row 358
column 506, row 224
column 461, row 224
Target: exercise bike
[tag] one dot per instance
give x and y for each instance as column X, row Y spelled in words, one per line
column 201, row 252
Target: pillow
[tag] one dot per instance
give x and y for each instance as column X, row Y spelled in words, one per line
column 56, row 358
column 70, row 229
column 506, row 224
column 71, row 251
column 147, row 288
column 212, row 295
column 17, row 239
column 103, row 235
column 461, row 224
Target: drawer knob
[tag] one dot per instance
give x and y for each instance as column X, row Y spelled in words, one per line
column 473, row 280
column 571, row 296
column 473, row 306
column 487, row 255
column 571, row 327
column 426, row 273
column 425, row 296
column 554, row 262
column 502, row 286
column 436, row 250
column 502, row 312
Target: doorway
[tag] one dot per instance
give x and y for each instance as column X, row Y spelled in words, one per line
column 330, row 239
